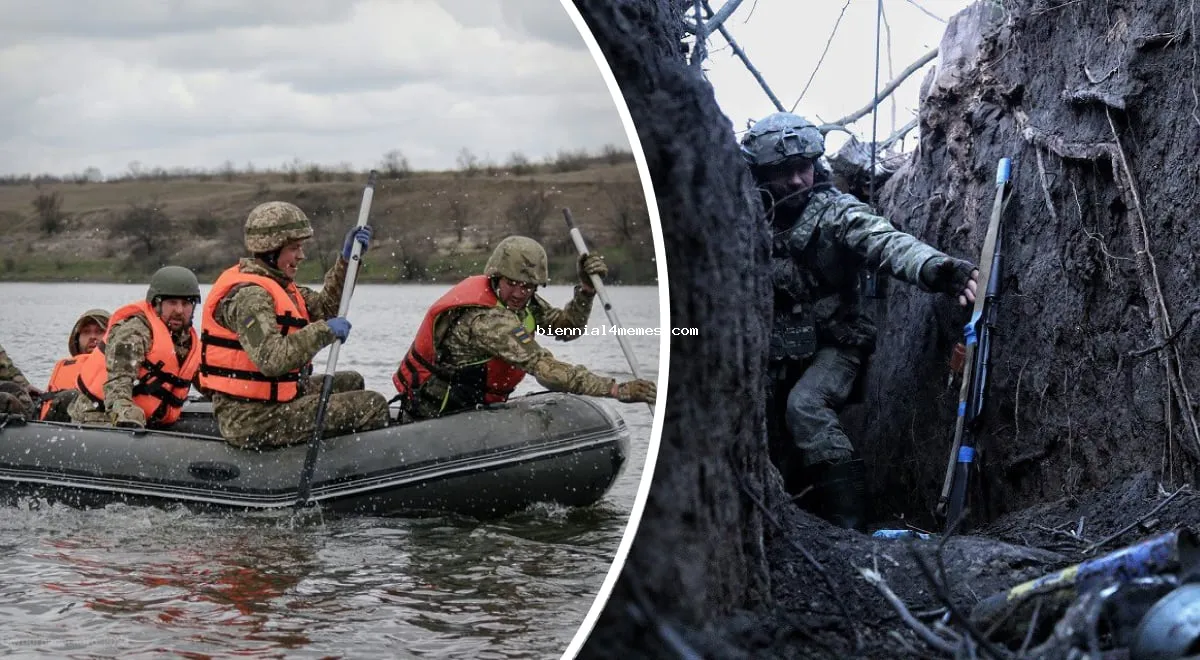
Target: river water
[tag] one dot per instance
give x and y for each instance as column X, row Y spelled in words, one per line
column 152, row 582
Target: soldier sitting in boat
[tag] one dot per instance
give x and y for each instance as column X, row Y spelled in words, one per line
column 60, row 392
column 16, row 394
column 260, row 332
column 140, row 373
column 476, row 342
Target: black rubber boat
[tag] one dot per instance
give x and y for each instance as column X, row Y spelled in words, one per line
column 547, row 447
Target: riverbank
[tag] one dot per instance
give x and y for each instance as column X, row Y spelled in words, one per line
column 430, row 227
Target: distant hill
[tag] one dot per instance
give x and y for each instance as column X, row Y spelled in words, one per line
column 429, row 226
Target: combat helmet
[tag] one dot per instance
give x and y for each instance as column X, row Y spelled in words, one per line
column 780, row 136
column 272, row 225
column 173, row 282
column 520, row 259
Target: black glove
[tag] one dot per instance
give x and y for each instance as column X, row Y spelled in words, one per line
column 947, row 275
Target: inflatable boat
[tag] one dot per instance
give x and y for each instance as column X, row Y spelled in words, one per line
column 547, row 447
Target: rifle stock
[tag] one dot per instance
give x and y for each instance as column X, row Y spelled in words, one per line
column 978, row 341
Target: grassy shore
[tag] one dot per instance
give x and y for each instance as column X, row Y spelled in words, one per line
column 430, row 227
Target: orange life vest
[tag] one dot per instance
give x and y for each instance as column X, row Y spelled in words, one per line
column 487, row 381
column 162, row 382
column 64, row 377
column 225, row 366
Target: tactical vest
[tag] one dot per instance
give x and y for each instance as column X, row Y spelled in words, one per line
column 225, row 366
column 486, row 381
column 162, row 382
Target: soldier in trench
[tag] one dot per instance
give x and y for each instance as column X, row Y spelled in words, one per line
column 821, row 337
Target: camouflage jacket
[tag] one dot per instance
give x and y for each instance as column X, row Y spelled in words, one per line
column 250, row 310
column 9, row 371
column 125, row 349
column 816, row 261
column 481, row 333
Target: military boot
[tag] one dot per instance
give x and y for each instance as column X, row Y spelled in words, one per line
column 838, row 492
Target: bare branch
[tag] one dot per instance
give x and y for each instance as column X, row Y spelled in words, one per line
column 822, row 58
column 715, row 22
column 927, row 12
column 928, row 636
column 883, row 93
column 745, row 60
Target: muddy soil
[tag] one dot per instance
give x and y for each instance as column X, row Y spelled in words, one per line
column 1091, row 414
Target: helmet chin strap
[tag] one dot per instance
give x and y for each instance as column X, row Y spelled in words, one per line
column 269, row 258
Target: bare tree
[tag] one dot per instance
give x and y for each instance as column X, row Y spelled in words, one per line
column 630, row 216
column 468, row 163
column 519, row 164
column 147, row 227
column 48, row 207
column 395, row 165
column 460, row 211
column 527, row 211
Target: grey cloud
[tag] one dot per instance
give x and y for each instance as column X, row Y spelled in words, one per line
column 517, row 19
column 402, row 74
column 125, row 19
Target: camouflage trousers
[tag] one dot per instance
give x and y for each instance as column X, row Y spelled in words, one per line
column 812, row 429
column 15, row 400
column 255, row 425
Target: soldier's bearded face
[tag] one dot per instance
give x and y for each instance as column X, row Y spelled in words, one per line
column 290, row 257
column 176, row 313
column 788, row 180
column 89, row 336
column 514, row 295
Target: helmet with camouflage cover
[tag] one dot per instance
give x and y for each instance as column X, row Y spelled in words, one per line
column 272, row 225
column 779, row 137
column 519, row 259
column 173, row 282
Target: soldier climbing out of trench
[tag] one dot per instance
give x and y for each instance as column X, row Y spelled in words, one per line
column 260, row 332
column 821, row 337
column 476, row 342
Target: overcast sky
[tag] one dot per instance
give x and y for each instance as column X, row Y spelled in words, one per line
column 192, row 83
column 784, row 39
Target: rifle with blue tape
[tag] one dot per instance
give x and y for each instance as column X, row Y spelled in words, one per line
column 977, row 336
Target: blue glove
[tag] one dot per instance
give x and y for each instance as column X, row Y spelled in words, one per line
column 340, row 327
column 361, row 234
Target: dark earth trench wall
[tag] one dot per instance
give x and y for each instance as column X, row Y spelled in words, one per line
column 1093, row 388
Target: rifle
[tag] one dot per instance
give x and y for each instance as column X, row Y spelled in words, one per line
column 977, row 335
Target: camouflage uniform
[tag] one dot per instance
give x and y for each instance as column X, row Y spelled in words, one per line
column 126, row 346
column 9, row 371
column 821, row 338
column 251, row 311
column 481, row 333
column 821, row 335
column 14, row 389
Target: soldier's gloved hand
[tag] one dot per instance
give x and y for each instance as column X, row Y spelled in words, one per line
column 130, row 418
column 340, row 327
column 591, row 264
column 360, row 234
column 952, row 276
column 11, row 405
column 635, row 391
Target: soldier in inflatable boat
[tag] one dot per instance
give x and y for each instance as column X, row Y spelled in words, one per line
column 477, row 341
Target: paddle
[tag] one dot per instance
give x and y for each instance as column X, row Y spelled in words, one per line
column 314, row 443
column 598, row 285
